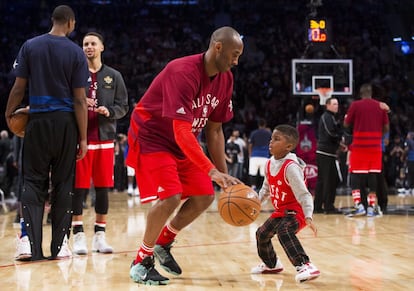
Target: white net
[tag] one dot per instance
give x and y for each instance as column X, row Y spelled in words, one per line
column 324, row 94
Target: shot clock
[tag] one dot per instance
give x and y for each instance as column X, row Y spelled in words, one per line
column 318, row 31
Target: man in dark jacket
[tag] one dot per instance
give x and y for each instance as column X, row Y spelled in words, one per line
column 107, row 102
column 329, row 138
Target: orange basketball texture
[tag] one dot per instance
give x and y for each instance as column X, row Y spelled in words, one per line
column 18, row 123
column 239, row 205
column 309, row 108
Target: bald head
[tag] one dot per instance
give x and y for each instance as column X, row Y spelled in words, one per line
column 226, row 46
column 225, row 34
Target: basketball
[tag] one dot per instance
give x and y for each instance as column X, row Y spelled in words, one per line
column 18, row 121
column 309, row 108
column 239, row 205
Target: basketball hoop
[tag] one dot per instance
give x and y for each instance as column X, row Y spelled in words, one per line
column 324, row 94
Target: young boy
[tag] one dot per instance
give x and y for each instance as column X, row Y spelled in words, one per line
column 285, row 183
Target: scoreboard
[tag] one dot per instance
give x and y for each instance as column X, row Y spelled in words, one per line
column 318, row 31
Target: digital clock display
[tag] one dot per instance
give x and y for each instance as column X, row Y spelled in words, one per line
column 317, row 31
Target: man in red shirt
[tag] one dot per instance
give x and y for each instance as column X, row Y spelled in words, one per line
column 369, row 121
column 190, row 94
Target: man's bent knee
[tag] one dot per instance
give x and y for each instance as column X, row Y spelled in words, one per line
column 170, row 202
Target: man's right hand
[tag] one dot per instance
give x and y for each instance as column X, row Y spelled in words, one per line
column 83, row 148
column 223, row 180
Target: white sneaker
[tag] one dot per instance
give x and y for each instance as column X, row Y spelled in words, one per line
column 136, row 192
column 99, row 243
column 23, row 249
column 307, row 272
column 130, row 190
column 65, row 251
column 79, row 244
column 263, row 269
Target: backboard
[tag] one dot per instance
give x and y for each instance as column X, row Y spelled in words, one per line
column 311, row 74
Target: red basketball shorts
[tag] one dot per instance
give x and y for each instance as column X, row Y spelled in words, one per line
column 161, row 175
column 364, row 162
column 97, row 165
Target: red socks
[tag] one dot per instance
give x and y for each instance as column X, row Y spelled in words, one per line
column 356, row 196
column 167, row 235
column 372, row 199
column 143, row 252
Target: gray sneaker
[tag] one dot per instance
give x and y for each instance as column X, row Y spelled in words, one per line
column 358, row 210
column 167, row 261
column 145, row 273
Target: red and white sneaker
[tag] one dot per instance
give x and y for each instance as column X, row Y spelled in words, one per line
column 307, row 272
column 263, row 269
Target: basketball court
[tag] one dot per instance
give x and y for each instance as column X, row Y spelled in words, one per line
column 351, row 253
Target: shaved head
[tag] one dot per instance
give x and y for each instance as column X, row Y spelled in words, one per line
column 225, row 34
column 226, row 46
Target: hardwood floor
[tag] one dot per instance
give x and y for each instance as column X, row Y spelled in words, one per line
column 351, row 253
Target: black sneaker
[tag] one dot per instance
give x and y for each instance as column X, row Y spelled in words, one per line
column 167, row 261
column 145, row 273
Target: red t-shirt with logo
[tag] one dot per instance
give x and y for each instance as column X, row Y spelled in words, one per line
column 181, row 91
column 93, row 125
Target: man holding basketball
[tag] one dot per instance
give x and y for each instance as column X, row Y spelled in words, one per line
column 56, row 72
column 190, row 94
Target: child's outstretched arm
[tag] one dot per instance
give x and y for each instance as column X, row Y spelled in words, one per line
column 302, row 194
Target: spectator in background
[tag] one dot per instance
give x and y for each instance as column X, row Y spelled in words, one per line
column 120, row 171
column 409, row 158
column 5, row 146
column 240, row 157
column 329, row 139
column 7, row 173
column 258, row 145
column 232, row 150
column 395, row 163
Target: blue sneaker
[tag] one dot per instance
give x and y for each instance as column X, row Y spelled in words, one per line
column 145, row 273
column 370, row 211
column 359, row 210
column 373, row 211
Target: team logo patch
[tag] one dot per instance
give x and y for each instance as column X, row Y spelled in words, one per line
column 108, row 82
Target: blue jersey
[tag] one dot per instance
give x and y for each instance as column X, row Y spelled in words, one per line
column 260, row 139
column 54, row 66
column 410, row 146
